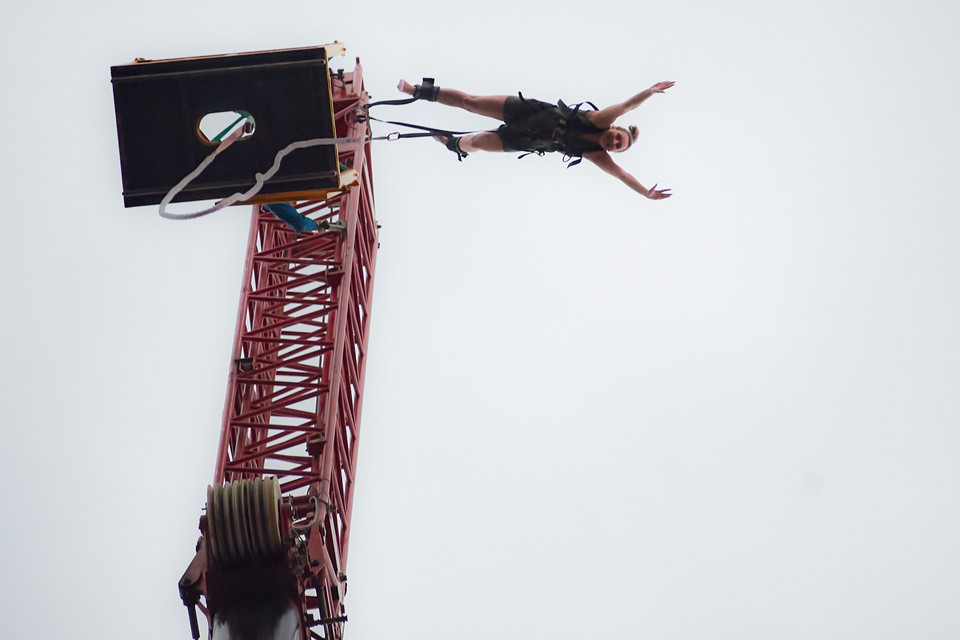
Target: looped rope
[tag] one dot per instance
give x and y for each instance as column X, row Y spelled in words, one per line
column 259, row 178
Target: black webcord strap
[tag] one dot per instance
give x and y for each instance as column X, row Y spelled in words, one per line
column 427, row 131
column 398, row 101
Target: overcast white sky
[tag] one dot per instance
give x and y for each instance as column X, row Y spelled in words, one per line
column 732, row 414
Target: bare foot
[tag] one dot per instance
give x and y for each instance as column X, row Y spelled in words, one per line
column 405, row 87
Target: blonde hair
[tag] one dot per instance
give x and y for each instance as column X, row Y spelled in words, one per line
column 632, row 133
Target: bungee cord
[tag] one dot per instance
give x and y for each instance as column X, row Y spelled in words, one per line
column 261, row 178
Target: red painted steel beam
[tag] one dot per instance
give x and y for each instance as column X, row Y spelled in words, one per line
column 294, row 395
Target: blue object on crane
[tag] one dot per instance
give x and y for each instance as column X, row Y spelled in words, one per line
column 293, row 219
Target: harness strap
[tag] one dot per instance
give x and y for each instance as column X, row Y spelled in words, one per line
column 427, row 131
column 398, row 101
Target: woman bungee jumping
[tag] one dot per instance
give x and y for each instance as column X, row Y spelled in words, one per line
column 540, row 127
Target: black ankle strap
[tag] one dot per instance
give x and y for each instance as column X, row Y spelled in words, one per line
column 453, row 143
column 426, row 90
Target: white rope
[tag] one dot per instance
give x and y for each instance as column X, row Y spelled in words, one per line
column 259, row 179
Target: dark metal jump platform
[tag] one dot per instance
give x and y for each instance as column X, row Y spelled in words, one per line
column 160, row 104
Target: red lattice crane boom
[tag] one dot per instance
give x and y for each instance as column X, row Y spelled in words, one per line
column 270, row 562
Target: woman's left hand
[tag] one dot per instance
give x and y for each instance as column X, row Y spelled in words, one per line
column 660, row 87
column 658, row 194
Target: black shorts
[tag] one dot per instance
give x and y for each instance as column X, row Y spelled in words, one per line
column 528, row 125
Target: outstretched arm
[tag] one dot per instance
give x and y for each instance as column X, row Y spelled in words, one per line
column 603, row 160
column 606, row 117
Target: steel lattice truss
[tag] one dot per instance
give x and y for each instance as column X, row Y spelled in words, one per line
column 294, row 399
